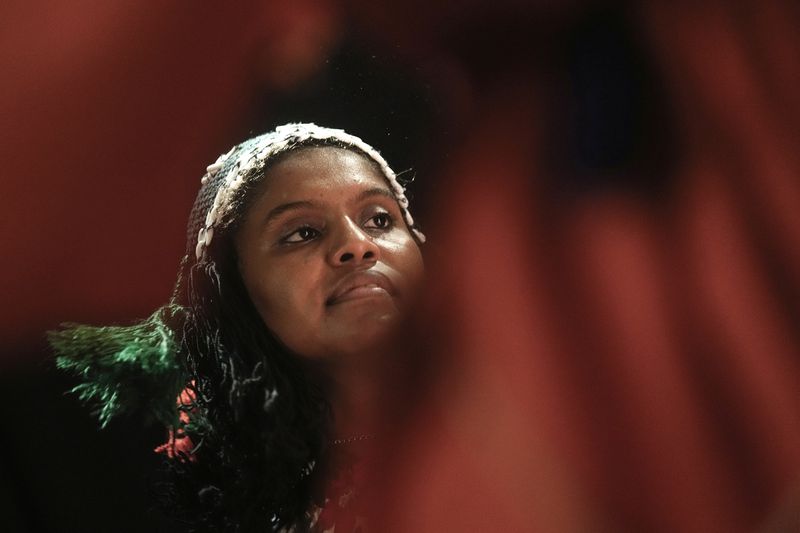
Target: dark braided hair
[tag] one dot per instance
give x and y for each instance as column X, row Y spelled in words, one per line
column 258, row 419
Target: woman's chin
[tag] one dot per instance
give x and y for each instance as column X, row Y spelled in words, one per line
column 365, row 336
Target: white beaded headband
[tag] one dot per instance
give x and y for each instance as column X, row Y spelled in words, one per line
column 253, row 155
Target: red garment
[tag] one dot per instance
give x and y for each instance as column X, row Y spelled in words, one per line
column 179, row 444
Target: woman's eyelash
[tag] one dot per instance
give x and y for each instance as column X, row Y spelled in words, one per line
column 381, row 220
column 301, row 234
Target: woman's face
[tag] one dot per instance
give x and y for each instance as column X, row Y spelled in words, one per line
column 326, row 255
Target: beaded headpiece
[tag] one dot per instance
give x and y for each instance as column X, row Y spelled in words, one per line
column 245, row 162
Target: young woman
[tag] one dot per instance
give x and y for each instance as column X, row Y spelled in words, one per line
column 302, row 256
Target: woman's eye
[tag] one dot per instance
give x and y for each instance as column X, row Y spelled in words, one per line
column 379, row 221
column 306, row 233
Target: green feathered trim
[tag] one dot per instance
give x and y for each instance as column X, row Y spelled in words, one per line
column 124, row 368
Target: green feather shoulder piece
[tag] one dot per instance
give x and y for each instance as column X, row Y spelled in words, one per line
column 124, row 369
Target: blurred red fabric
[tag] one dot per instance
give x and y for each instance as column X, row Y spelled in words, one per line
column 607, row 365
column 110, row 112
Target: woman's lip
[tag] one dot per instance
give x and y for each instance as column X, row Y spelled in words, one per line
column 360, row 292
column 367, row 283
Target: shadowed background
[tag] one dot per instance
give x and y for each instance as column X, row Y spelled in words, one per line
column 611, row 196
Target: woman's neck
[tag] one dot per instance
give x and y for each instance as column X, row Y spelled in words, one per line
column 355, row 399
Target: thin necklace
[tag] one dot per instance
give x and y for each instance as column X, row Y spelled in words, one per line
column 350, row 440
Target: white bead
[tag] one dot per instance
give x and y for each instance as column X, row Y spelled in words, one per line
column 213, row 168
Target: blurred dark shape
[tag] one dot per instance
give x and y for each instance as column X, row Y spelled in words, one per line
column 373, row 95
column 620, row 355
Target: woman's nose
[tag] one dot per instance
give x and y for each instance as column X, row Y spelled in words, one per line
column 353, row 246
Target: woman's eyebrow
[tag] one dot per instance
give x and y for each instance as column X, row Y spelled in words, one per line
column 277, row 211
column 375, row 191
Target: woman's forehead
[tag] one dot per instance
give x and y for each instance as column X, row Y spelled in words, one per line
column 320, row 171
